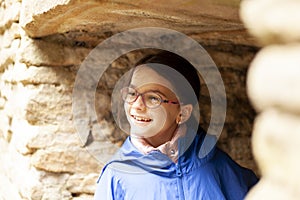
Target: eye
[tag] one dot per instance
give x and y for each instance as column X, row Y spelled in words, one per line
column 131, row 93
column 131, row 96
column 153, row 98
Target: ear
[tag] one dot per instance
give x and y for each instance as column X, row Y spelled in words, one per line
column 184, row 114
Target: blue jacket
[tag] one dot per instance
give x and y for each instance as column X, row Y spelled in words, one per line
column 131, row 175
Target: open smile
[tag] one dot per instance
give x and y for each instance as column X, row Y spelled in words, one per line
column 141, row 119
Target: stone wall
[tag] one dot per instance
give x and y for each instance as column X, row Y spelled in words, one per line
column 274, row 90
column 43, row 46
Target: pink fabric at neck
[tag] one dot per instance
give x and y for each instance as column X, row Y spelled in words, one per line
column 169, row 148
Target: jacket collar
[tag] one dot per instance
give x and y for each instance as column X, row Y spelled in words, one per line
column 130, row 159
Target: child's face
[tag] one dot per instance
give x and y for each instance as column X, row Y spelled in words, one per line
column 147, row 122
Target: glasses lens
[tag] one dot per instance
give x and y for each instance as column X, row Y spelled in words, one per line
column 152, row 99
column 129, row 94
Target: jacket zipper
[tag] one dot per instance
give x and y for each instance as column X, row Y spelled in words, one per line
column 179, row 182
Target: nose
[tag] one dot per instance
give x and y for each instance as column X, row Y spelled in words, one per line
column 139, row 104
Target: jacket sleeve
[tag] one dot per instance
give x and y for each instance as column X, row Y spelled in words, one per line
column 236, row 180
column 108, row 186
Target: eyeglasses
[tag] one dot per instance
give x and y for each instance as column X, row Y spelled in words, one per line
column 150, row 98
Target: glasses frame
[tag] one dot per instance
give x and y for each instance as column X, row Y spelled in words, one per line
column 143, row 99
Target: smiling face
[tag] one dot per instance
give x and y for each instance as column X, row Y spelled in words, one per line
column 152, row 122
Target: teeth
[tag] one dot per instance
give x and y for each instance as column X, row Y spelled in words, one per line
column 141, row 119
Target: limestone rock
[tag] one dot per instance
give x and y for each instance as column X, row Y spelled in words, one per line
column 82, row 183
column 45, row 53
column 72, row 160
column 274, row 78
column 39, row 104
column 2, row 102
column 49, row 186
column 9, row 13
column 8, row 55
column 28, row 138
column 272, row 21
column 49, row 104
column 276, row 142
column 8, row 189
column 92, row 21
column 84, row 197
column 10, row 35
column 270, row 189
column 39, row 75
column 5, row 131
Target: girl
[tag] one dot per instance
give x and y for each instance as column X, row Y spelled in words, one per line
column 162, row 158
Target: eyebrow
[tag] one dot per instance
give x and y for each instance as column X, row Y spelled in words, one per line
column 155, row 90
column 158, row 91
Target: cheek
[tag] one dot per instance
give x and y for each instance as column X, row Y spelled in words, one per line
column 172, row 114
column 164, row 117
column 159, row 115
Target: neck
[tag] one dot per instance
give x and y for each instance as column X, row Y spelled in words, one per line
column 162, row 137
